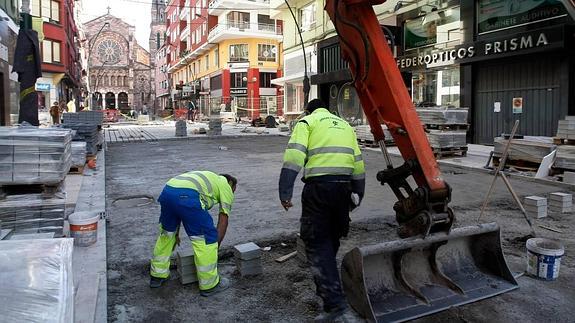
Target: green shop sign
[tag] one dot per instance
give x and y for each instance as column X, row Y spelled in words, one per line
column 419, row 35
column 495, row 15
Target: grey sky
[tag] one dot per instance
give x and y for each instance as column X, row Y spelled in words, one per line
column 134, row 12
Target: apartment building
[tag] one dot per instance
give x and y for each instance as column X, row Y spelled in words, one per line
column 233, row 51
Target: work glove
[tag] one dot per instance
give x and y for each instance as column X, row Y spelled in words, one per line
column 354, row 201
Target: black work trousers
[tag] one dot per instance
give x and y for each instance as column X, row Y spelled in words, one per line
column 325, row 219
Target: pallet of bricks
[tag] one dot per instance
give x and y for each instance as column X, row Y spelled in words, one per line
column 525, row 152
column 564, row 165
column 365, row 137
column 446, row 129
column 88, row 128
column 33, row 165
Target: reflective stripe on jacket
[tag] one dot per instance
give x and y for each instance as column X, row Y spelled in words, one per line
column 321, row 144
column 212, row 187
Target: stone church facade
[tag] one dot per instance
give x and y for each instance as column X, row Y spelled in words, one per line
column 156, row 40
column 120, row 71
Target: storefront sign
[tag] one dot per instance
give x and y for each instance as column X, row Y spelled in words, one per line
column 42, row 87
column 495, row 15
column 543, row 39
column 238, row 91
column 418, row 35
column 187, row 88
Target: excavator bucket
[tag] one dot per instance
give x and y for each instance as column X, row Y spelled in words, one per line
column 405, row 279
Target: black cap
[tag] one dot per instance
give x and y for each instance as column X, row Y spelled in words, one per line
column 314, row 105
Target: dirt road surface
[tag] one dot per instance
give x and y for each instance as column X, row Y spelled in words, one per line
column 285, row 292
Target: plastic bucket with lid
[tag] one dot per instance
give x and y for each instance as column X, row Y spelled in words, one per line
column 544, row 258
column 84, row 228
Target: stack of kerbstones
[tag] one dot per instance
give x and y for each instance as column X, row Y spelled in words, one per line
column 186, row 266
column 536, row 206
column 181, row 128
column 248, row 259
column 560, row 203
column 215, row 126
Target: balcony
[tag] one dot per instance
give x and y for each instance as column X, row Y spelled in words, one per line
column 217, row 7
column 185, row 11
column 185, row 33
column 235, row 30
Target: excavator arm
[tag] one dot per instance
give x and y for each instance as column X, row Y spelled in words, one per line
column 438, row 267
column 384, row 98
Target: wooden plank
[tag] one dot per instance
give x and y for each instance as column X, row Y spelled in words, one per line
column 286, row 257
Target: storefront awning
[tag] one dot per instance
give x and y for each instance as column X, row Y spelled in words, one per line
column 294, row 78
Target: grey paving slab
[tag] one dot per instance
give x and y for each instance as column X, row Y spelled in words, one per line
column 247, row 251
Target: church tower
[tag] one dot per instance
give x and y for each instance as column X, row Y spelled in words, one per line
column 157, row 27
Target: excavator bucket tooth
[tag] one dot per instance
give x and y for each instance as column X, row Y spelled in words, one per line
column 405, row 279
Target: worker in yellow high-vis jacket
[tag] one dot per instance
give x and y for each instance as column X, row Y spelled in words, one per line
column 325, row 146
column 186, row 199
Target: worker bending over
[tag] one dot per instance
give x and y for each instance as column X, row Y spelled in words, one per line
column 325, row 146
column 186, row 199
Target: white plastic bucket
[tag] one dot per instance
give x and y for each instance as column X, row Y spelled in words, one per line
column 544, row 258
column 84, row 228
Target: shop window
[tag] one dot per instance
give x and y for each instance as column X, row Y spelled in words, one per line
column 216, row 82
column 307, row 16
column 239, row 53
column 50, row 51
column 432, row 28
column 267, row 52
column 46, row 8
column 239, row 80
column 294, row 98
column 436, row 88
column 266, row 79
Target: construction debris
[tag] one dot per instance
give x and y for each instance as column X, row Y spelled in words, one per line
column 536, row 206
column 248, row 259
column 560, row 202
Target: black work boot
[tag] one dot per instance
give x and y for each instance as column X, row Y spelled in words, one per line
column 156, row 282
column 220, row 287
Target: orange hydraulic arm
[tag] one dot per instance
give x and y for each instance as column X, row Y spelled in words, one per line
column 384, row 98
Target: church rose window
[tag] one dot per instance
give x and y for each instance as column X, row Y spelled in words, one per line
column 109, row 51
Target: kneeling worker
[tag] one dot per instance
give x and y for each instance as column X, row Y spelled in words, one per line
column 186, row 199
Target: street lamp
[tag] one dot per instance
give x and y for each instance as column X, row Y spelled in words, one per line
column 91, row 44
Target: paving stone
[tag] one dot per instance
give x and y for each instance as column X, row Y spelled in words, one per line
column 535, row 200
column 247, row 251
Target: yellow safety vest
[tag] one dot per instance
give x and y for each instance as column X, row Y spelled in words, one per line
column 212, row 187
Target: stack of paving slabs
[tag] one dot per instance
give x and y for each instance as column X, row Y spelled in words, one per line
column 566, row 128
column 443, row 115
column 363, row 134
column 34, row 156
column 560, row 203
column 248, row 259
column 185, row 265
column 93, row 117
column 33, row 213
column 565, row 157
column 181, row 128
column 78, row 153
column 215, row 126
column 87, row 132
column 447, row 138
column 531, row 149
column 536, row 206
column 447, row 126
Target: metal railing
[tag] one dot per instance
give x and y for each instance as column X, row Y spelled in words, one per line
column 247, row 27
column 216, row 3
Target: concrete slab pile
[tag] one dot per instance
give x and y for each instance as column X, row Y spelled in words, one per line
column 186, row 266
column 181, row 128
column 536, row 206
column 560, row 202
column 39, row 215
column 248, row 259
column 94, row 117
column 34, row 156
column 86, row 132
